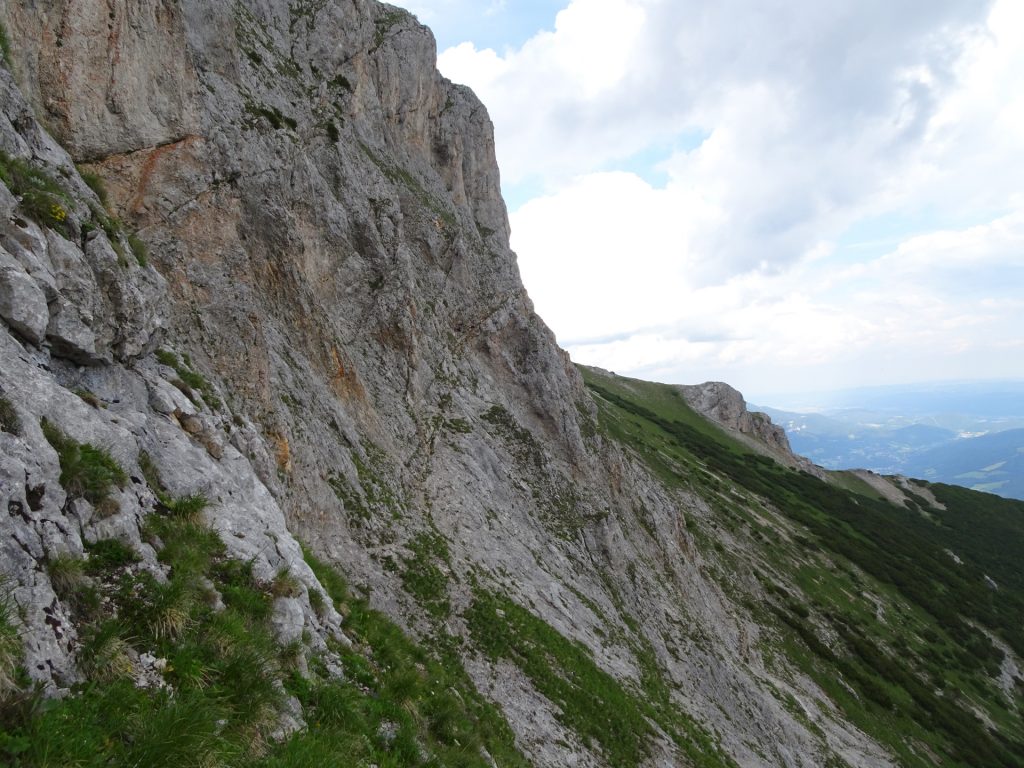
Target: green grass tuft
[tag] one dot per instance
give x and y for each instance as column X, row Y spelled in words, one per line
column 73, row 585
column 189, row 507
column 67, row 574
column 85, row 470
column 139, row 249
column 104, row 656
column 422, row 575
column 95, row 182
column 189, row 380
column 108, row 554
column 5, row 46
column 10, row 645
column 329, row 578
column 285, row 585
column 42, row 199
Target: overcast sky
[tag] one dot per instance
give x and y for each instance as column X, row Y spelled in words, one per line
column 786, row 195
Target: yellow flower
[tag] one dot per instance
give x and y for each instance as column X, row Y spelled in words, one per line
column 58, row 213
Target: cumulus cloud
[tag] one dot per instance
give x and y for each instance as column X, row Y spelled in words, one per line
column 634, row 69
column 847, row 204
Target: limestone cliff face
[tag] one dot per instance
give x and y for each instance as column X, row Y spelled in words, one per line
column 328, row 249
column 725, row 406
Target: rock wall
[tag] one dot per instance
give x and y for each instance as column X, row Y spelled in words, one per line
column 82, row 321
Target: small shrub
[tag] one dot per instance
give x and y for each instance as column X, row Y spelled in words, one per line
column 9, row 420
column 85, row 470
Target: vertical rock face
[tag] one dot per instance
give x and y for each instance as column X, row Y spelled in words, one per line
column 83, row 317
column 328, row 246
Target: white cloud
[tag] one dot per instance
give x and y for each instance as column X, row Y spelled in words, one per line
column 620, row 246
column 829, row 130
column 927, row 309
column 552, row 93
column 486, row 65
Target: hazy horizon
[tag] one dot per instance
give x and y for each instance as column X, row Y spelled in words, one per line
column 851, row 393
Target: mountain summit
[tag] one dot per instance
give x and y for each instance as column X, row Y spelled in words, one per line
column 295, row 476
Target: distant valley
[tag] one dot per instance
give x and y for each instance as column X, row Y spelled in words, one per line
column 966, row 434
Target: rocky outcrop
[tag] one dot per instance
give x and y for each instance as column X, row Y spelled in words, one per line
column 725, row 406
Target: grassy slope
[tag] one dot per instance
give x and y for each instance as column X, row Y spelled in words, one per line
column 864, row 596
column 850, row 595
column 399, row 702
